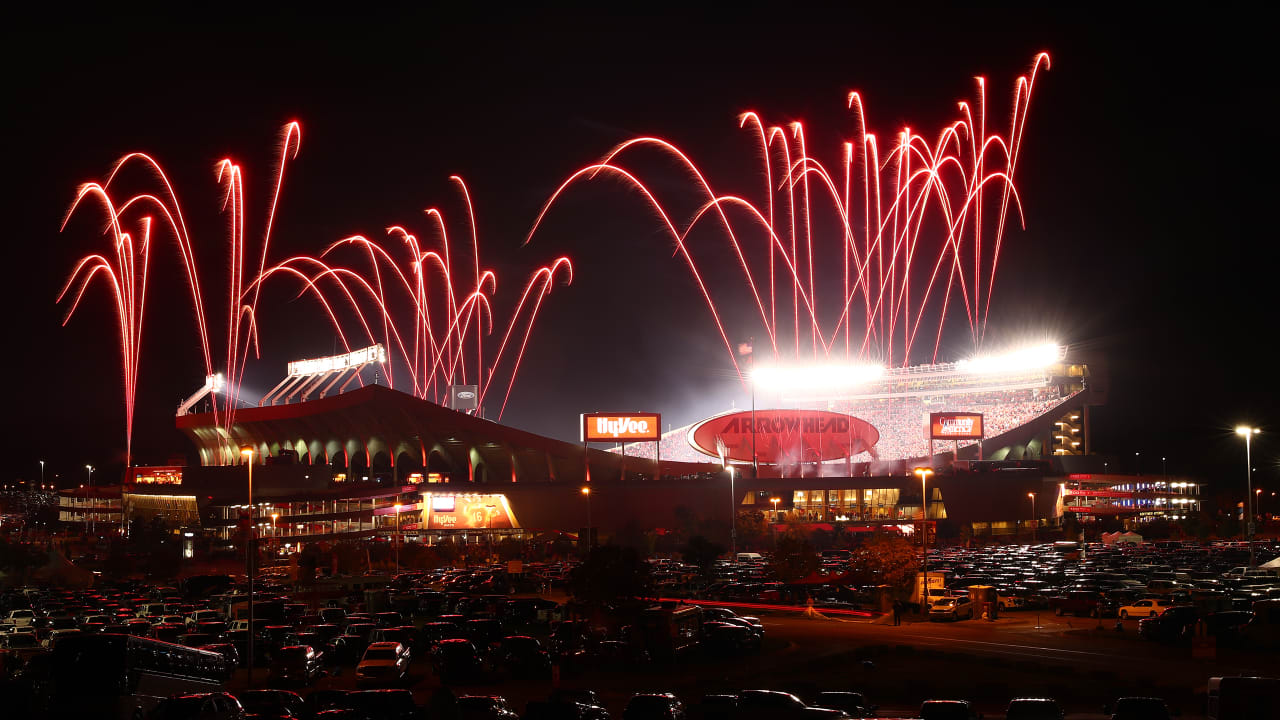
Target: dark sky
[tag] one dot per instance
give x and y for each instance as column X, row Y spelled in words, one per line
column 1145, row 176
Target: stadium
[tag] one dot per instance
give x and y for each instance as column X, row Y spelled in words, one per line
column 335, row 456
column 1033, row 402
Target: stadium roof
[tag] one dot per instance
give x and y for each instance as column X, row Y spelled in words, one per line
column 377, row 427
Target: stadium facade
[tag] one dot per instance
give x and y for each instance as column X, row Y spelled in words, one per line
column 374, row 461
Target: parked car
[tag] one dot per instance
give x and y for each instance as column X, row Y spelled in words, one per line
column 946, row 710
column 1033, row 709
column 654, row 706
column 1147, row 607
column 382, row 663
column 297, row 664
column 1138, row 708
column 1082, row 603
column 951, row 608
column 1175, row 623
column 852, row 703
column 520, row 656
column 775, row 705
column 726, row 638
column 272, row 704
column 199, row 706
column 485, row 707
column 384, row 704
column 456, row 661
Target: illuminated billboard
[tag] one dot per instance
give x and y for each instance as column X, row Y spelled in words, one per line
column 955, row 426
column 783, row 436
column 464, row 397
column 468, row 512
column 614, row 427
column 355, row 358
column 165, row 475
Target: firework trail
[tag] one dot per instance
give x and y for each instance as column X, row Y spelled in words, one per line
column 432, row 316
column 434, row 343
column 914, row 229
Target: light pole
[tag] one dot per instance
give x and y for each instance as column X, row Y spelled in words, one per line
column 42, row 474
column 1032, row 496
column 733, row 518
column 1137, row 463
column 92, row 525
column 395, row 540
column 1248, row 433
column 488, row 525
column 775, row 501
column 1164, row 468
column 251, row 550
column 586, row 492
column 923, row 474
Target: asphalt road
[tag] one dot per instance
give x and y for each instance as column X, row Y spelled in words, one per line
column 988, row 663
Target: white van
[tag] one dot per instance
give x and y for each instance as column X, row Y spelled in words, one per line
column 750, row 557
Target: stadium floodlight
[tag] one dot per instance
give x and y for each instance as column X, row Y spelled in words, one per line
column 1247, row 433
column 1028, row 358
column 815, row 377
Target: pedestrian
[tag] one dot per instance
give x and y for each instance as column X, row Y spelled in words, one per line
column 897, row 612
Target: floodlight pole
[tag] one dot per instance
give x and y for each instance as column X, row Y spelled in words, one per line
column 733, row 518
column 755, row 458
column 250, row 554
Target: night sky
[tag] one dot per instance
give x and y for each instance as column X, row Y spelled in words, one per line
column 1145, row 174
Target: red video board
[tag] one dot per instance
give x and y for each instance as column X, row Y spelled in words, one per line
column 955, row 426
column 783, row 436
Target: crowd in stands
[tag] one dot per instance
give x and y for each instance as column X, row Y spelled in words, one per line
column 902, row 421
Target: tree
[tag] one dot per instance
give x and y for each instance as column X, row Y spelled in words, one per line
column 885, row 559
column 611, row 574
column 509, row 549
column 794, row 558
column 702, row 553
column 752, row 527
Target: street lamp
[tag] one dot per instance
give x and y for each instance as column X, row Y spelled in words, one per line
column 41, row 473
column 488, row 524
column 1033, row 516
column 91, row 515
column 251, row 550
column 1248, row 433
column 923, row 474
column 1137, row 463
column 733, row 518
column 396, row 539
column 586, row 492
column 775, row 501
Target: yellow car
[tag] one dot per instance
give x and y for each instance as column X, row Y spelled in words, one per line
column 1150, row 607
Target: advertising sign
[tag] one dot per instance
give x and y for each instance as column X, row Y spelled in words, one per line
column 464, row 397
column 468, row 512
column 167, row 475
column 955, row 426
column 784, row 436
column 618, row 427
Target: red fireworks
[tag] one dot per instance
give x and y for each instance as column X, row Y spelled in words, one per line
column 913, row 235
column 431, row 319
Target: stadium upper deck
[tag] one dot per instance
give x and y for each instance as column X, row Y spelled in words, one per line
column 1013, row 392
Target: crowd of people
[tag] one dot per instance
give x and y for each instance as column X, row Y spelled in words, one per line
column 901, row 421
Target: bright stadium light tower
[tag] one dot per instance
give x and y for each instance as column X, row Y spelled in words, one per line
column 1026, row 358
column 247, row 453
column 1248, row 433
